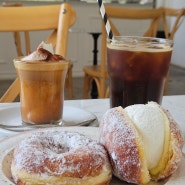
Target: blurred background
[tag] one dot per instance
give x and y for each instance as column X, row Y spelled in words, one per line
column 81, row 42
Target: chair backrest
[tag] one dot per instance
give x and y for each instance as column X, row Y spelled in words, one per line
column 172, row 19
column 37, row 18
column 152, row 16
column 58, row 18
column 17, row 37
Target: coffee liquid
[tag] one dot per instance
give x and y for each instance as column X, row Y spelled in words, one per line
column 137, row 76
column 42, row 90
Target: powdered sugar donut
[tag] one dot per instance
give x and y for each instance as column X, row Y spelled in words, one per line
column 57, row 157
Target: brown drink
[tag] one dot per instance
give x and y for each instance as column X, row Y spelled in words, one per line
column 42, row 90
column 138, row 68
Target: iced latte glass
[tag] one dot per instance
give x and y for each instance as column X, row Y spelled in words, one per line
column 42, row 90
column 138, row 67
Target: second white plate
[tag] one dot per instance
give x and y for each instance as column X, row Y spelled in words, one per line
column 72, row 116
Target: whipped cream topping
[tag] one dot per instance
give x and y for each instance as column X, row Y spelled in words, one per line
column 47, row 47
column 149, row 121
column 44, row 52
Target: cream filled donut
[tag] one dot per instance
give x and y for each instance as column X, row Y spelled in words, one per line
column 57, row 157
column 143, row 142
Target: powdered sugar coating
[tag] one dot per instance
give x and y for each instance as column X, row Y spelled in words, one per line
column 60, row 153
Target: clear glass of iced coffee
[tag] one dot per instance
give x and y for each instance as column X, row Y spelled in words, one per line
column 138, row 68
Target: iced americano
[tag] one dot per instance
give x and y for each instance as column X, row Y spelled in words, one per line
column 138, row 68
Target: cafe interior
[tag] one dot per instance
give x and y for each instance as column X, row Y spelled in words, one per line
column 62, row 91
column 85, row 41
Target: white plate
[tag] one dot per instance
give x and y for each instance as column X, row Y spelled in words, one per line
column 72, row 116
column 6, row 150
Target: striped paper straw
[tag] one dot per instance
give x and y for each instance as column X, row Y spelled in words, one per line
column 104, row 17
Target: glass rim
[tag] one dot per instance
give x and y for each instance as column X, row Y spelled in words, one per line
column 49, row 62
column 139, row 40
column 37, row 65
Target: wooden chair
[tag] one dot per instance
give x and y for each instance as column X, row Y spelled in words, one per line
column 178, row 16
column 170, row 29
column 58, row 18
column 99, row 73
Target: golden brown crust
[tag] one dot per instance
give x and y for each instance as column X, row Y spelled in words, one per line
column 175, row 153
column 35, row 179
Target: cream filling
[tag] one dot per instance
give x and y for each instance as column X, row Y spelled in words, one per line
column 150, row 122
column 165, row 155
